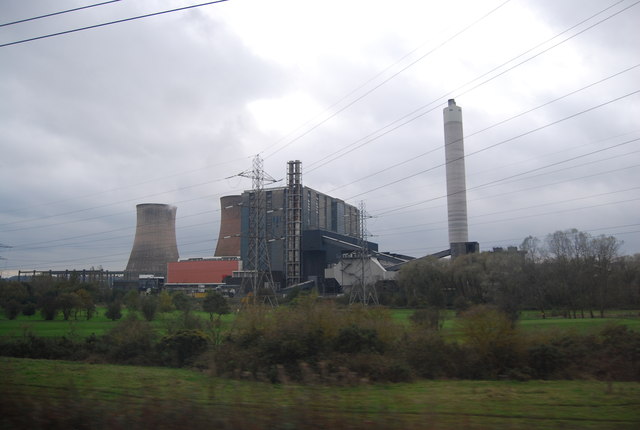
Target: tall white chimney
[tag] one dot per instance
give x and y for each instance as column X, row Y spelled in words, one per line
column 456, row 182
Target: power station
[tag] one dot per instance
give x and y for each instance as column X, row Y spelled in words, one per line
column 289, row 236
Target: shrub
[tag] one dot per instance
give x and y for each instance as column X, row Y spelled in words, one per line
column 545, row 359
column 29, row 309
column 354, row 339
column 149, row 307
column 428, row 354
column 114, row 310
column 431, row 318
column 182, row 347
column 489, row 333
column 132, row 341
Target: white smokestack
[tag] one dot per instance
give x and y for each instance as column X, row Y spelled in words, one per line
column 456, row 182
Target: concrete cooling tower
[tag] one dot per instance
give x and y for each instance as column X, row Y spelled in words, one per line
column 155, row 242
column 230, row 227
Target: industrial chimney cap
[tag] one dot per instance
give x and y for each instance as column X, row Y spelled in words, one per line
column 452, row 102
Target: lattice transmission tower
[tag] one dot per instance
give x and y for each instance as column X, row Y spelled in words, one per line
column 294, row 223
column 258, row 263
column 363, row 291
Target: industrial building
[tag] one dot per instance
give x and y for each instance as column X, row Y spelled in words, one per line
column 195, row 276
column 285, row 236
column 305, row 231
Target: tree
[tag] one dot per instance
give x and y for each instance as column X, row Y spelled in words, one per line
column 215, row 303
column 165, row 302
column 86, row 303
column 537, row 291
column 48, row 304
column 605, row 251
column 149, row 307
column 468, row 273
column 505, row 281
column 182, row 302
column 423, row 282
column 67, row 303
column 581, row 267
column 12, row 296
column 114, row 310
column 132, row 300
column 490, row 334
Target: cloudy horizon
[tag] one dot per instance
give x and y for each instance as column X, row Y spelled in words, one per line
column 170, row 108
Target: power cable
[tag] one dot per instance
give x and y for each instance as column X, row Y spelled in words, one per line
column 104, row 24
column 518, row 191
column 498, row 143
column 489, row 127
column 383, row 82
column 417, row 112
column 58, row 13
column 109, row 204
column 173, row 175
column 386, row 212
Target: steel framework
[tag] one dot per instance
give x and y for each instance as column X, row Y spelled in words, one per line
column 294, row 223
column 258, row 260
column 363, row 292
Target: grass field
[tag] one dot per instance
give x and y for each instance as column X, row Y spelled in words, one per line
column 97, row 325
column 530, row 322
column 108, row 396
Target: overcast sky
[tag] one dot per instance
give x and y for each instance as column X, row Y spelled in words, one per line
column 165, row 109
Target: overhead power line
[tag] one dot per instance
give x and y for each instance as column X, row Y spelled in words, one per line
column 412, row 158
column 58, row 13
column 502, row 142
column 104, row 24
column 420, row 112
column 413, row 63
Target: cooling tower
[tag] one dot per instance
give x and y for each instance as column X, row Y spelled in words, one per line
column 155, row 242
column 230, row 227
column 456, row 183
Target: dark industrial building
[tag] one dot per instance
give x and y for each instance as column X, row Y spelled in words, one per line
column 305, row 231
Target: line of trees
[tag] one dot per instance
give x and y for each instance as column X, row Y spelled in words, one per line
column 51, row 297
column 78, row 300
column 569, row 273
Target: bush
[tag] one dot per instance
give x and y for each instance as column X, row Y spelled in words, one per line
column 545, row 360
column 354, row 339
column 29, row 309
column 132, row 341
column 114, row 310
column 428, row 354
column 431, row 318
column 182, row 347
column 490, row 335
column 149, row 307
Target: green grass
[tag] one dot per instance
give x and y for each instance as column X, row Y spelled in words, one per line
column 98, row 324
column 532, row 321
column 40, row 385
column 529, row 322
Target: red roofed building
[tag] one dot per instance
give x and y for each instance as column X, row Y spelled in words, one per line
column 203, row 272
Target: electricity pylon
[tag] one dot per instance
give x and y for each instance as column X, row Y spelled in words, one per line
column 258, row 261
column 361, row 291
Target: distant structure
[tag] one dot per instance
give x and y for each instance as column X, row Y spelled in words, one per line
column 154, row 244
column 306, row 231
column 293, row 246
column 230, row 227
column 456, row 182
